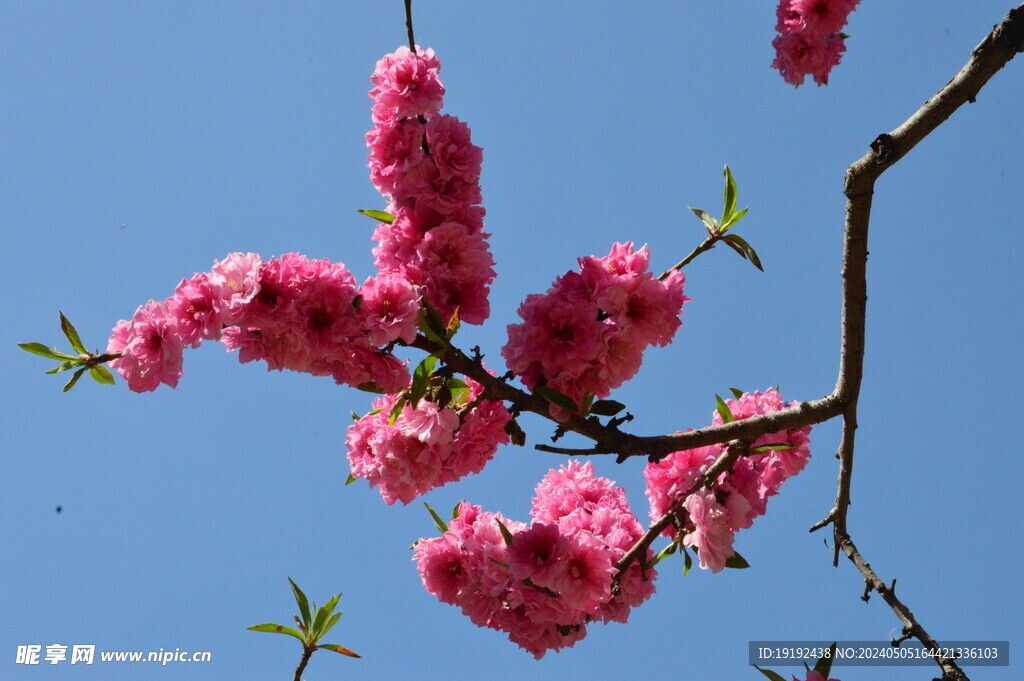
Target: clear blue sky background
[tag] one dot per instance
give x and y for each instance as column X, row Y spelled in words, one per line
column 205, row 128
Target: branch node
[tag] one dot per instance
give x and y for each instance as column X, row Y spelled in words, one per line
column 867, row 591
column 823, row 522
column 883, row 146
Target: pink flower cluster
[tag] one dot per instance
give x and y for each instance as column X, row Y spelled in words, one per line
column 809, row 40
column 555, row 576
column 426, row 446
column 587, row 334
column 291, row 312
column 428, row 167
column 713, row 516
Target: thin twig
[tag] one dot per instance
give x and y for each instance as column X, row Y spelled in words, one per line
column 722, row 464
column 408, row 25
column 705, row 245
column 307, row 652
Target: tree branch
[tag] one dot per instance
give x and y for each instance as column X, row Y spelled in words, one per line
column 705, row 245
column 722, row 464
column 992, row 54
column 611, row 440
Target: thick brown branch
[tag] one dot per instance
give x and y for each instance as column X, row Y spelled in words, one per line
column 611, row 440
column 994, row 52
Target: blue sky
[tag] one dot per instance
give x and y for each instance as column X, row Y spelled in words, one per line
column 143, row 140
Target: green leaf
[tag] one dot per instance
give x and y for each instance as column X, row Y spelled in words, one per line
column 318, row 620
column 350, row 479
column 737, row 393
column 687, row 561
column 723, row 410
column 730, row 196
column 302, row 602
column 740, row 245
column 396, row 411
column 277, row 629
column 497, row 562
column 824, row 664
column 438, row 523
column 369, row 387
column 338, row 649
column 607, row 407
column 45, row 351
column 378, row 215
column 432, row 325
column 74, row 379
column 64, row 366
column 455, row 511
column 329, row 624
column 737, row 562
column 453, row 324
column 767, row 448
column 72, row 335
column 736, row 217
column 661, row 555
column 560, row 399
column 504, row 532
column 101, row 374
column 458, row 389
column 323, row 616
column 421, row 379
column 770, row 674
column 709, row 222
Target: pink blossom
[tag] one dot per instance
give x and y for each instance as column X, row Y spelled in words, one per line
column 814, row 17
column 238, row 277
column 586, row 335
column 669, row 479
column 452, row 150
column 389, row 309
column 429, row 424
column 798, row 55
column 396, row 146
column 427, row 446
column 197, row 305
column 482, row 430
column 711, row 536
column 791, row 459
column 556, row 576
column 539, row 554
column 151, row 348
column 443, row 567
column 454, row 267
column 407, row 83
column 585, row 582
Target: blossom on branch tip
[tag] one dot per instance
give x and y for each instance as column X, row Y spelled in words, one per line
column 427, row 166
column 407, row 82
column 291, row 312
